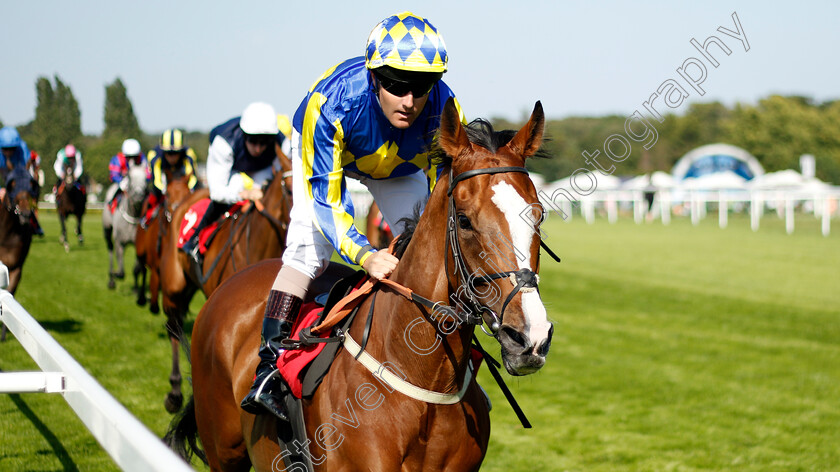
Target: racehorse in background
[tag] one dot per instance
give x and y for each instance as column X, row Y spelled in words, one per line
column 252, row 234
column 120, row 227
column 377, row 229
column 15, row 227
column 472, row 248
column 70, row 200
column 149, row 241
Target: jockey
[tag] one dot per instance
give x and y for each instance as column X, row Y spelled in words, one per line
column 15, row 154
column 172, row 154
column 118, row 168
column 33, row 165
column 371, row 118
column 15, row 151
column 240, row 160
column 66, row 157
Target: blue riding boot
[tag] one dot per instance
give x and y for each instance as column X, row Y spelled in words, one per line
column 281, row 311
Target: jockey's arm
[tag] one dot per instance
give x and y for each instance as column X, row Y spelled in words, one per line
column 224, row 183
column 323, row 179
column 77, row 172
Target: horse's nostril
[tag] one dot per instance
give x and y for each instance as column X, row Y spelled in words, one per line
column 543, row 348
column 515, row 336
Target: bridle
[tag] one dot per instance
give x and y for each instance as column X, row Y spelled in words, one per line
column 524, row 280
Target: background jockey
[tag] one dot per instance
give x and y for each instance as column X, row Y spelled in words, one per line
column 14, row 155
column 66, row 157
column 240, row 160
column 118, row 168
column 372, row 118
column 15, row 151
column 33, row 165
column 174, row 156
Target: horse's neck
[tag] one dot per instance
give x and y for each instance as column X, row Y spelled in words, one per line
column 7, row 222
column 275, row 199
column 441, row 368
column 132, row 207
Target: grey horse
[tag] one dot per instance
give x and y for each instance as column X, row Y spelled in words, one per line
column 121, row 226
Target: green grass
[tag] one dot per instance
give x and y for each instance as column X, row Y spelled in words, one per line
column 675, row 348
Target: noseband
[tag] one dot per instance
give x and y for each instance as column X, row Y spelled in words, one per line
column 524, row 280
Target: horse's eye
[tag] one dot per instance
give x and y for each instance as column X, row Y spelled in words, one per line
column 464, row 222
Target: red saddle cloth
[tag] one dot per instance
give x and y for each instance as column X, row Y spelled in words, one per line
column 292, row 362
column 194, row 215
column 112, row 207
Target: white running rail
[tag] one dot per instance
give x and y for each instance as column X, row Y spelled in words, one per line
column 132, row 446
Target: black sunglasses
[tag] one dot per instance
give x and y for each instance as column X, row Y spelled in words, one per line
column 262, row 139
column 401, row 89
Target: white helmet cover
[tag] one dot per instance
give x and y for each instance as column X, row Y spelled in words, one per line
column 259, row 118
column 130, row 147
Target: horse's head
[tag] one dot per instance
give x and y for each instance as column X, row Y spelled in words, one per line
column 69, row 177
column 493, row 233
column 177, row 186
column 136, row 182
column 20, row 195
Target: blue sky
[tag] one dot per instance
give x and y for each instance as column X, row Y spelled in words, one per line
column 196, row 64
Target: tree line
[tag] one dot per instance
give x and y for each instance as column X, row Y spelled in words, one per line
column 776, row 130
column 57, row 123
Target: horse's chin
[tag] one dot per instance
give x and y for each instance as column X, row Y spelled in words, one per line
column 522, row 364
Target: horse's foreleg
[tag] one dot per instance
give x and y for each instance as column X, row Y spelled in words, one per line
column 154, row 291
column 174, row 399
column 108, row 232
column 140, row 273
column 79, row 229
column 120, row 252
column 63, row 237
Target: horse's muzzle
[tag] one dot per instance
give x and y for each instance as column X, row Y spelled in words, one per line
column 521, row 355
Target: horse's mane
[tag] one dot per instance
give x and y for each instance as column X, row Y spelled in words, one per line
column 479, row 132
column 409, row 226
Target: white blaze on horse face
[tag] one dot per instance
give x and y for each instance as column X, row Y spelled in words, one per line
column 510, row 203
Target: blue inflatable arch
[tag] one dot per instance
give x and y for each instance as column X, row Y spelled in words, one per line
column 714, row 158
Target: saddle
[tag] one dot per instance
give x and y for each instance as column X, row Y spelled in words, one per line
column 194, row 215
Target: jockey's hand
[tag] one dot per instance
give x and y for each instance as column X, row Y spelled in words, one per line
column 380, row 264
column 254, row 194
column 124, row 184
column 2, row 193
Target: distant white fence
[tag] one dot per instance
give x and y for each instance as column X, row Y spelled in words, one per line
column 132, row 446
column 694, row 203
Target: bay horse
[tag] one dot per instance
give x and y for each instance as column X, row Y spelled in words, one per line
column 377, row 230
column 70, row 200
column 15, row 227
column 249, row 236
column 479, row 230
column 149, row 240
column 120, row 227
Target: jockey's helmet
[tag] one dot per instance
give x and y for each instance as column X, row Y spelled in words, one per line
column 9, row 137
column 406, row 42
column 70, row 151
column 131, row 147
column 173, row 140
column 259, row 118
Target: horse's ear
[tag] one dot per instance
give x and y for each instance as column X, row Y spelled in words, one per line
column 453, row 137
column 527, row 141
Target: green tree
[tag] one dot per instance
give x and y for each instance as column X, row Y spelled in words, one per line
column 119, row 114
column 58, row 120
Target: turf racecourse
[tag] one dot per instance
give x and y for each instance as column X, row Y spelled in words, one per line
column 675, row 348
